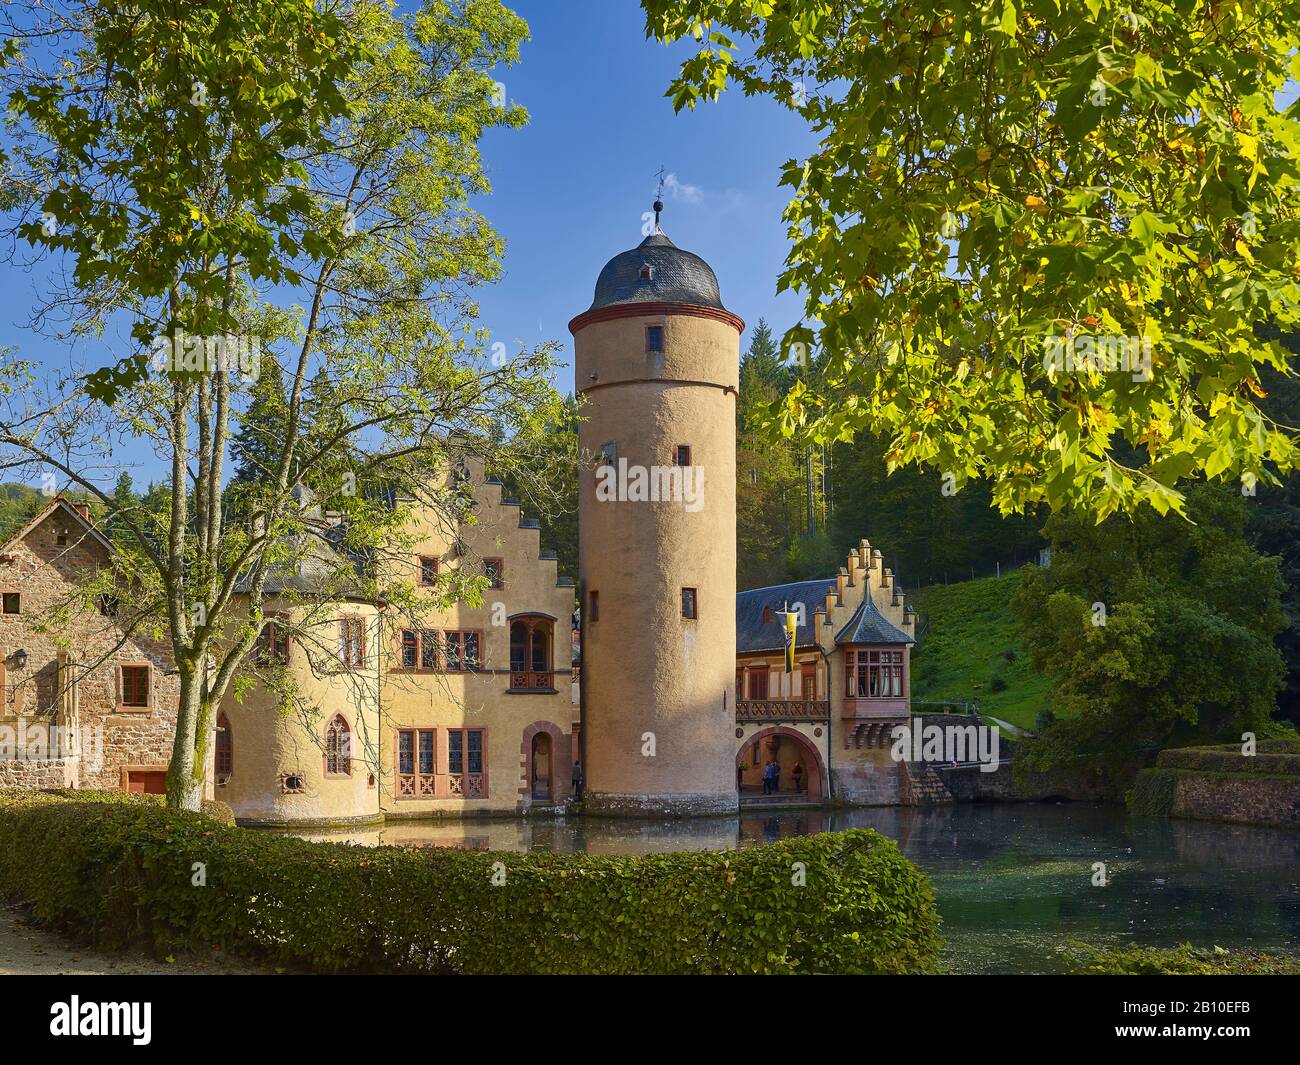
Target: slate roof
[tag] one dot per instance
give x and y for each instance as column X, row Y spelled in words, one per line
column 677, row 276
column 752, row 634
column 869, row 625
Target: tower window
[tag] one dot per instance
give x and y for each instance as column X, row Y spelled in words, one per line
column 593, row 606
column 654, row 339
column 608, row 454
column 11, row 603
column 647, row 272
column 428, row 570
column 682, row 455
column 689, row 603
column 495, row 570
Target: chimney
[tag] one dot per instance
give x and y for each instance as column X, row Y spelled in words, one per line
column 83, row 509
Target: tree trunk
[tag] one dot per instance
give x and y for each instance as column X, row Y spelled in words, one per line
column 185, row 774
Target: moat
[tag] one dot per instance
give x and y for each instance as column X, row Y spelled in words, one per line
column 1013, row 882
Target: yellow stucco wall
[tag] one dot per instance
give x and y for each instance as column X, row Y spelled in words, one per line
column 660, row 699
column 441, row 701
column 270, row 745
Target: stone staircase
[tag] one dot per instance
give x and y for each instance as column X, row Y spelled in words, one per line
column 922, row 785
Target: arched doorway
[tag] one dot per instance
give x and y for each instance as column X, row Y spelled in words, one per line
column 791, row 750
column 542, row 767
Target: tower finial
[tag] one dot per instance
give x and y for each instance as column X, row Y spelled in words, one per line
column 659, row 198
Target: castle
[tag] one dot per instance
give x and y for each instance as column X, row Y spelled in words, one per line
column 682, row 694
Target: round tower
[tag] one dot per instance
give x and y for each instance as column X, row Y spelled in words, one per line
column 657, row 360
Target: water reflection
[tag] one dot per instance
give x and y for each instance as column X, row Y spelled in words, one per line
column 1014, row 882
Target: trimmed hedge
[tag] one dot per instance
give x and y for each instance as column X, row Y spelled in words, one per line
column 119, row 874
column 213, row 808
column 1230, row 760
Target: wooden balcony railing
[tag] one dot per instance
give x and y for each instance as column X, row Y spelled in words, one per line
column 783, row 710
column 532, row 680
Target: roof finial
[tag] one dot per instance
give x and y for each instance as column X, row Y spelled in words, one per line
column 659, row 198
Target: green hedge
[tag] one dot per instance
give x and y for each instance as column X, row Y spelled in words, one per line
column 1231, row 760
column 119, row 874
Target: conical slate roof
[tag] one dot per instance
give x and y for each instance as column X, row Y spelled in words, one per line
column 869, row 625
column 674, row 276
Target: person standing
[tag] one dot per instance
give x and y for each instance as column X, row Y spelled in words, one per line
column 776, row 776
column 797, row 773
column 577, row 780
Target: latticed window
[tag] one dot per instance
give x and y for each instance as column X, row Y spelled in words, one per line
column 415, row 764
column 338, row 748
column 461, row 649
column 875, row 674
column 352, row 642
column 465, row 750
column 758, row 684
column 410, row 649
column 224, row 760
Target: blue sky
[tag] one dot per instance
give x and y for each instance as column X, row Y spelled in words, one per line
column 569, row 189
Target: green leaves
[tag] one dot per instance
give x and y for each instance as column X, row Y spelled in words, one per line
column 863, row 908
column 993, row 179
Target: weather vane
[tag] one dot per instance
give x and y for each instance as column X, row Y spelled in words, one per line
column 659, row 197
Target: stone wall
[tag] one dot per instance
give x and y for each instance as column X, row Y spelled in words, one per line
column 71, row 673
column 60, row 773
column 1246, row 799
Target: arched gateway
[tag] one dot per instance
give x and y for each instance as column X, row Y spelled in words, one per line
column 789, row 748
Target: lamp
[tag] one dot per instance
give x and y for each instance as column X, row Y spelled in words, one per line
column 20, row 658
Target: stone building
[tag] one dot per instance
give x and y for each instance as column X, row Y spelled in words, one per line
column 85, row 703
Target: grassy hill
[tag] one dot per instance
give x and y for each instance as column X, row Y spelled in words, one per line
column 970, row 651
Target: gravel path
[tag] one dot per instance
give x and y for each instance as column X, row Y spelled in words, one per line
column 29, row 951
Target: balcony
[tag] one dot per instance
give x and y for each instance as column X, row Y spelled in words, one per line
column 783, row 710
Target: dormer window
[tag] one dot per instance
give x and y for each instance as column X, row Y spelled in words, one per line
column 647, row 272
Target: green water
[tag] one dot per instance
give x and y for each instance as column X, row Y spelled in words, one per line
column 1014, row 882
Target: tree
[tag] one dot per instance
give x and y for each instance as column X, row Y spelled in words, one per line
column 546, row 483
column 1154, row 632
column 232, row 209
column 124, row 502
column 1031, row 232
column 770, row 480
